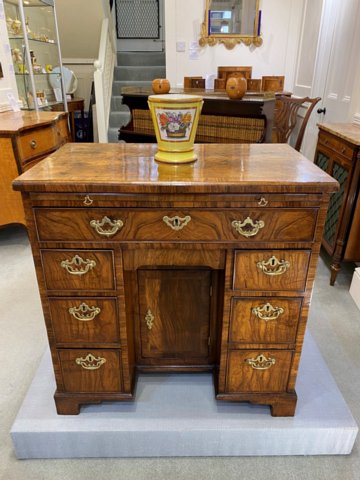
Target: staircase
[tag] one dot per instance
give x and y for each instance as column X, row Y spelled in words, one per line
column 134, row 69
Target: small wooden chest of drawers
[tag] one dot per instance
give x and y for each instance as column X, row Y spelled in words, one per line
column 203, row 267
column 25, row 139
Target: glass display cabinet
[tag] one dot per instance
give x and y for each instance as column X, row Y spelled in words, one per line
column 35, row 49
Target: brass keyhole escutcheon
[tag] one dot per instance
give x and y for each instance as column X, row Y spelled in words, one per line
column 88, row 200
column 149, row 318
column 176, row 223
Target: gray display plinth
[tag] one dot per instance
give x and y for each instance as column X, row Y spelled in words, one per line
column 177, row 415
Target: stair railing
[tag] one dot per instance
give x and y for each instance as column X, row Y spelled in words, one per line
column 103, row 78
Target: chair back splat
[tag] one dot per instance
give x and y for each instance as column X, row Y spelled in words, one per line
column 286, row 117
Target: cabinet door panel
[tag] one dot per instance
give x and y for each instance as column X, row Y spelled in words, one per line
column 337, row 203
column 175, row 314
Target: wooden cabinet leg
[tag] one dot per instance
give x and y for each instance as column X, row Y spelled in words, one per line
column 335, row 269
column 66, row 406
column 284, row 407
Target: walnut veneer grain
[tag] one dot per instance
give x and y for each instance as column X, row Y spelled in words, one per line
column 208, row 266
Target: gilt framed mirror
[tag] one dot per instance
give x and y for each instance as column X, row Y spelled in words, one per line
column 231, row 22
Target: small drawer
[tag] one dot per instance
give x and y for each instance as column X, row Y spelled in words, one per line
column 271, row 270
column 91, row 370
column 237, row 225
column 258, row 370
column 78, row 269
column 84, row 320
column 264, row 319
column 36, row 143
column 336, row 144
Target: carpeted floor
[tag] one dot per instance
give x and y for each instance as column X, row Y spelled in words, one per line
column 334, row 323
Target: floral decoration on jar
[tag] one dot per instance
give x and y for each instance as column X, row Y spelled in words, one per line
column 175, row 123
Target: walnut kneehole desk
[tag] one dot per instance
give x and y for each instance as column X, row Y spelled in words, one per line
column 153, row 267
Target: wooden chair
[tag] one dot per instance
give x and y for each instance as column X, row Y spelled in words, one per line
column 286, row 116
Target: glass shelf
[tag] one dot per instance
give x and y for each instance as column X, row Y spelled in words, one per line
column 34, row 40
column 36, row 74
column 30, row 25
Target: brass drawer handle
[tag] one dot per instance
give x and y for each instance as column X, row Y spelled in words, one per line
column 84, row 313
column 248, row 228
column 176, row 223
column 114, row 226
column 90, row 362
column 76, row 264
column 273, row 266
column 149, row 318
column 260, row 362
column 33, row 144
column 267, row 312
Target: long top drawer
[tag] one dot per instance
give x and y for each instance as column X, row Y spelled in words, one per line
column 242, row 224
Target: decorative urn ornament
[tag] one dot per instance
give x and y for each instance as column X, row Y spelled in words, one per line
column 161, row 85
column 236, row 87
column 175, row 118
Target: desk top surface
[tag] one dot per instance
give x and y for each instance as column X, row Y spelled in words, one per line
column 131, row 168
column 206, row 94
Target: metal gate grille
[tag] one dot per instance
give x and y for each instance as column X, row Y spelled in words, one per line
column 336, row 201
column 137, row 19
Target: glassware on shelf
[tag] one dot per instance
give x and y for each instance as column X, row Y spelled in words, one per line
column 34, row 42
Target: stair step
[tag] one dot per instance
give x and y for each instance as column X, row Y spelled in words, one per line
column 141, row 58
column 135, row 69
column 141, row 72
column 118, row 119
column 116, row 103
column 118, row 85
column 113, row 134
column 117, row 106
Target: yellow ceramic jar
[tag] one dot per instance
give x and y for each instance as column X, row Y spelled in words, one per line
column 175, row 118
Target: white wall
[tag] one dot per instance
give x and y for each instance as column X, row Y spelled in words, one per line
column 8, row 82
column 79, row 24
column 280, row 27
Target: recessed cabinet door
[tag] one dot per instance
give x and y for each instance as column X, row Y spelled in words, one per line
column 175, row 314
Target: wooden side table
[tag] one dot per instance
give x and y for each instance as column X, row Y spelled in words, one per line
column 338, row 153
column 222, row 120
column 74, row 105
